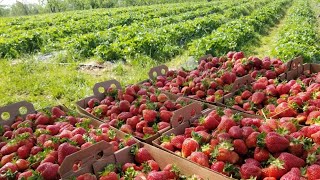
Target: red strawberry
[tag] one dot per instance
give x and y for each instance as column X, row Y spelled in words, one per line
column 209, row 122
column 93, row 102
column 177, row 141
column 86, row 176
column 153, row 165
column 64, row 150
column 199, row 158
column 313, row 172
column 57, row 112
column 235, row 132
column 9, row 148
column 189, row 145
column 248, row 171
column 293, row 174
column 258, row 97
column 291, row 160
column 124, row 106
column 246, row 94
column 158, row 175
column 22, row 164
column 165, row 115
column 48, row 170
column 25, row 175
column 42, row 120
column 141, row 155
column 149, row 115
column 276, row 169
column 276, row 143
column 261, row 154
column 240, row 146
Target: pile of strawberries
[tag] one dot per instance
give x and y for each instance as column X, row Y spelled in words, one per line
column 138, row 110
column 143, row 167
column 37, row 145
column 244, row 147
column 214, row 76
column 298, row 98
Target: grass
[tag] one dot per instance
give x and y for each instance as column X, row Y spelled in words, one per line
column 50, row 83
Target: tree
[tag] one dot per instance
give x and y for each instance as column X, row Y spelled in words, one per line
column 19, row 9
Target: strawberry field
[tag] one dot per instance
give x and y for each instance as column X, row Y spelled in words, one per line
column 200, row 90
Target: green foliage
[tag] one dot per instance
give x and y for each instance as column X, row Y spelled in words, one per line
column 299, row 34
column 235, row 34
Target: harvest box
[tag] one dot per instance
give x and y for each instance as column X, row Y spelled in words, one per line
column 161, row 157
column 99, row 94
column 188, row 120
column 9, row 113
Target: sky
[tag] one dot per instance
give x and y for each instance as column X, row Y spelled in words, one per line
column 10, row 2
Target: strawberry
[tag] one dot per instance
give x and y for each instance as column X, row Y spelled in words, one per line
column 189, row 145
column 152, row 165
column 86, row 176
column 8, row 166
column 42, row 120
column 93, row 102
column 158, row 175
column 25, row 175
column 235, row 132
column 240, row 146
column 165, row 115
column 167, row 144
column 245, row 94
column 22, row 164
column 109, row 173
column 9, row 148
column 293, row 174
column 276, row 169
column 57, row 112
column 218, row 166
column 291, row 160
column 48, row 170
column 261, row 154
column 248, row 171
column 199, row 158
column 209, row 122
column 64, row 150
column 313, row 172
column 177, row 141
column 149, row 115
column 141, row 155
column 276, row 143
column 124, row 106
column 258, row 97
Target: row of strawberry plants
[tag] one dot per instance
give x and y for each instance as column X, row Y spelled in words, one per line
column 235, row 34
column 59, row 19
column 105, row 42
column 17, row 42
column 109, row 35
column 164, row 42
column 299, row 35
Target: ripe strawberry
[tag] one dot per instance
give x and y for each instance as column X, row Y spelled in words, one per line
column 245, row 94
column 48, row 170
column 124, row 106
column 42, row 120
column 7, row 158
column 153, row 165
column 248, row 171
column 165, row 115
column 313, row 172
column 177, row 141
column 93, row 102
column 291, row 160
column 189, row 145
column 167, row 144
column 149, row 115
column 57, row 112
column 64, row 150
column 25, row 175
column 251, row 141
column 162, row 97
column 240, row 146
column 226, row 123
column 276, row 169
column 293, row 174
column 261, row 154
column 209, row 122
column 22, row 164
column 199, row 158
column 276, row 143
column 9, row 148
column 235, row 132
column 141, row 155
column 86, row 176
column 9, row 166
column 109, row 173
column 258, row 97
column 158, row 175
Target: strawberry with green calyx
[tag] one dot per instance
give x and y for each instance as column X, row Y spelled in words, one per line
column 177, row 141
column 291, row 160
column 209, row 122
column 207, row 149
column 224, row 151
column 313, row 172
column 166, row 143
column 276, row 168
column 141, row 155
column 150, row 165
column 199, row 158
column 173, row 170
column 109, row 173
column 190, row 145
column 276, row 143
column 130, row 173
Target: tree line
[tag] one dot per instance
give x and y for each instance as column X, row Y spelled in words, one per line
column 53, row 6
